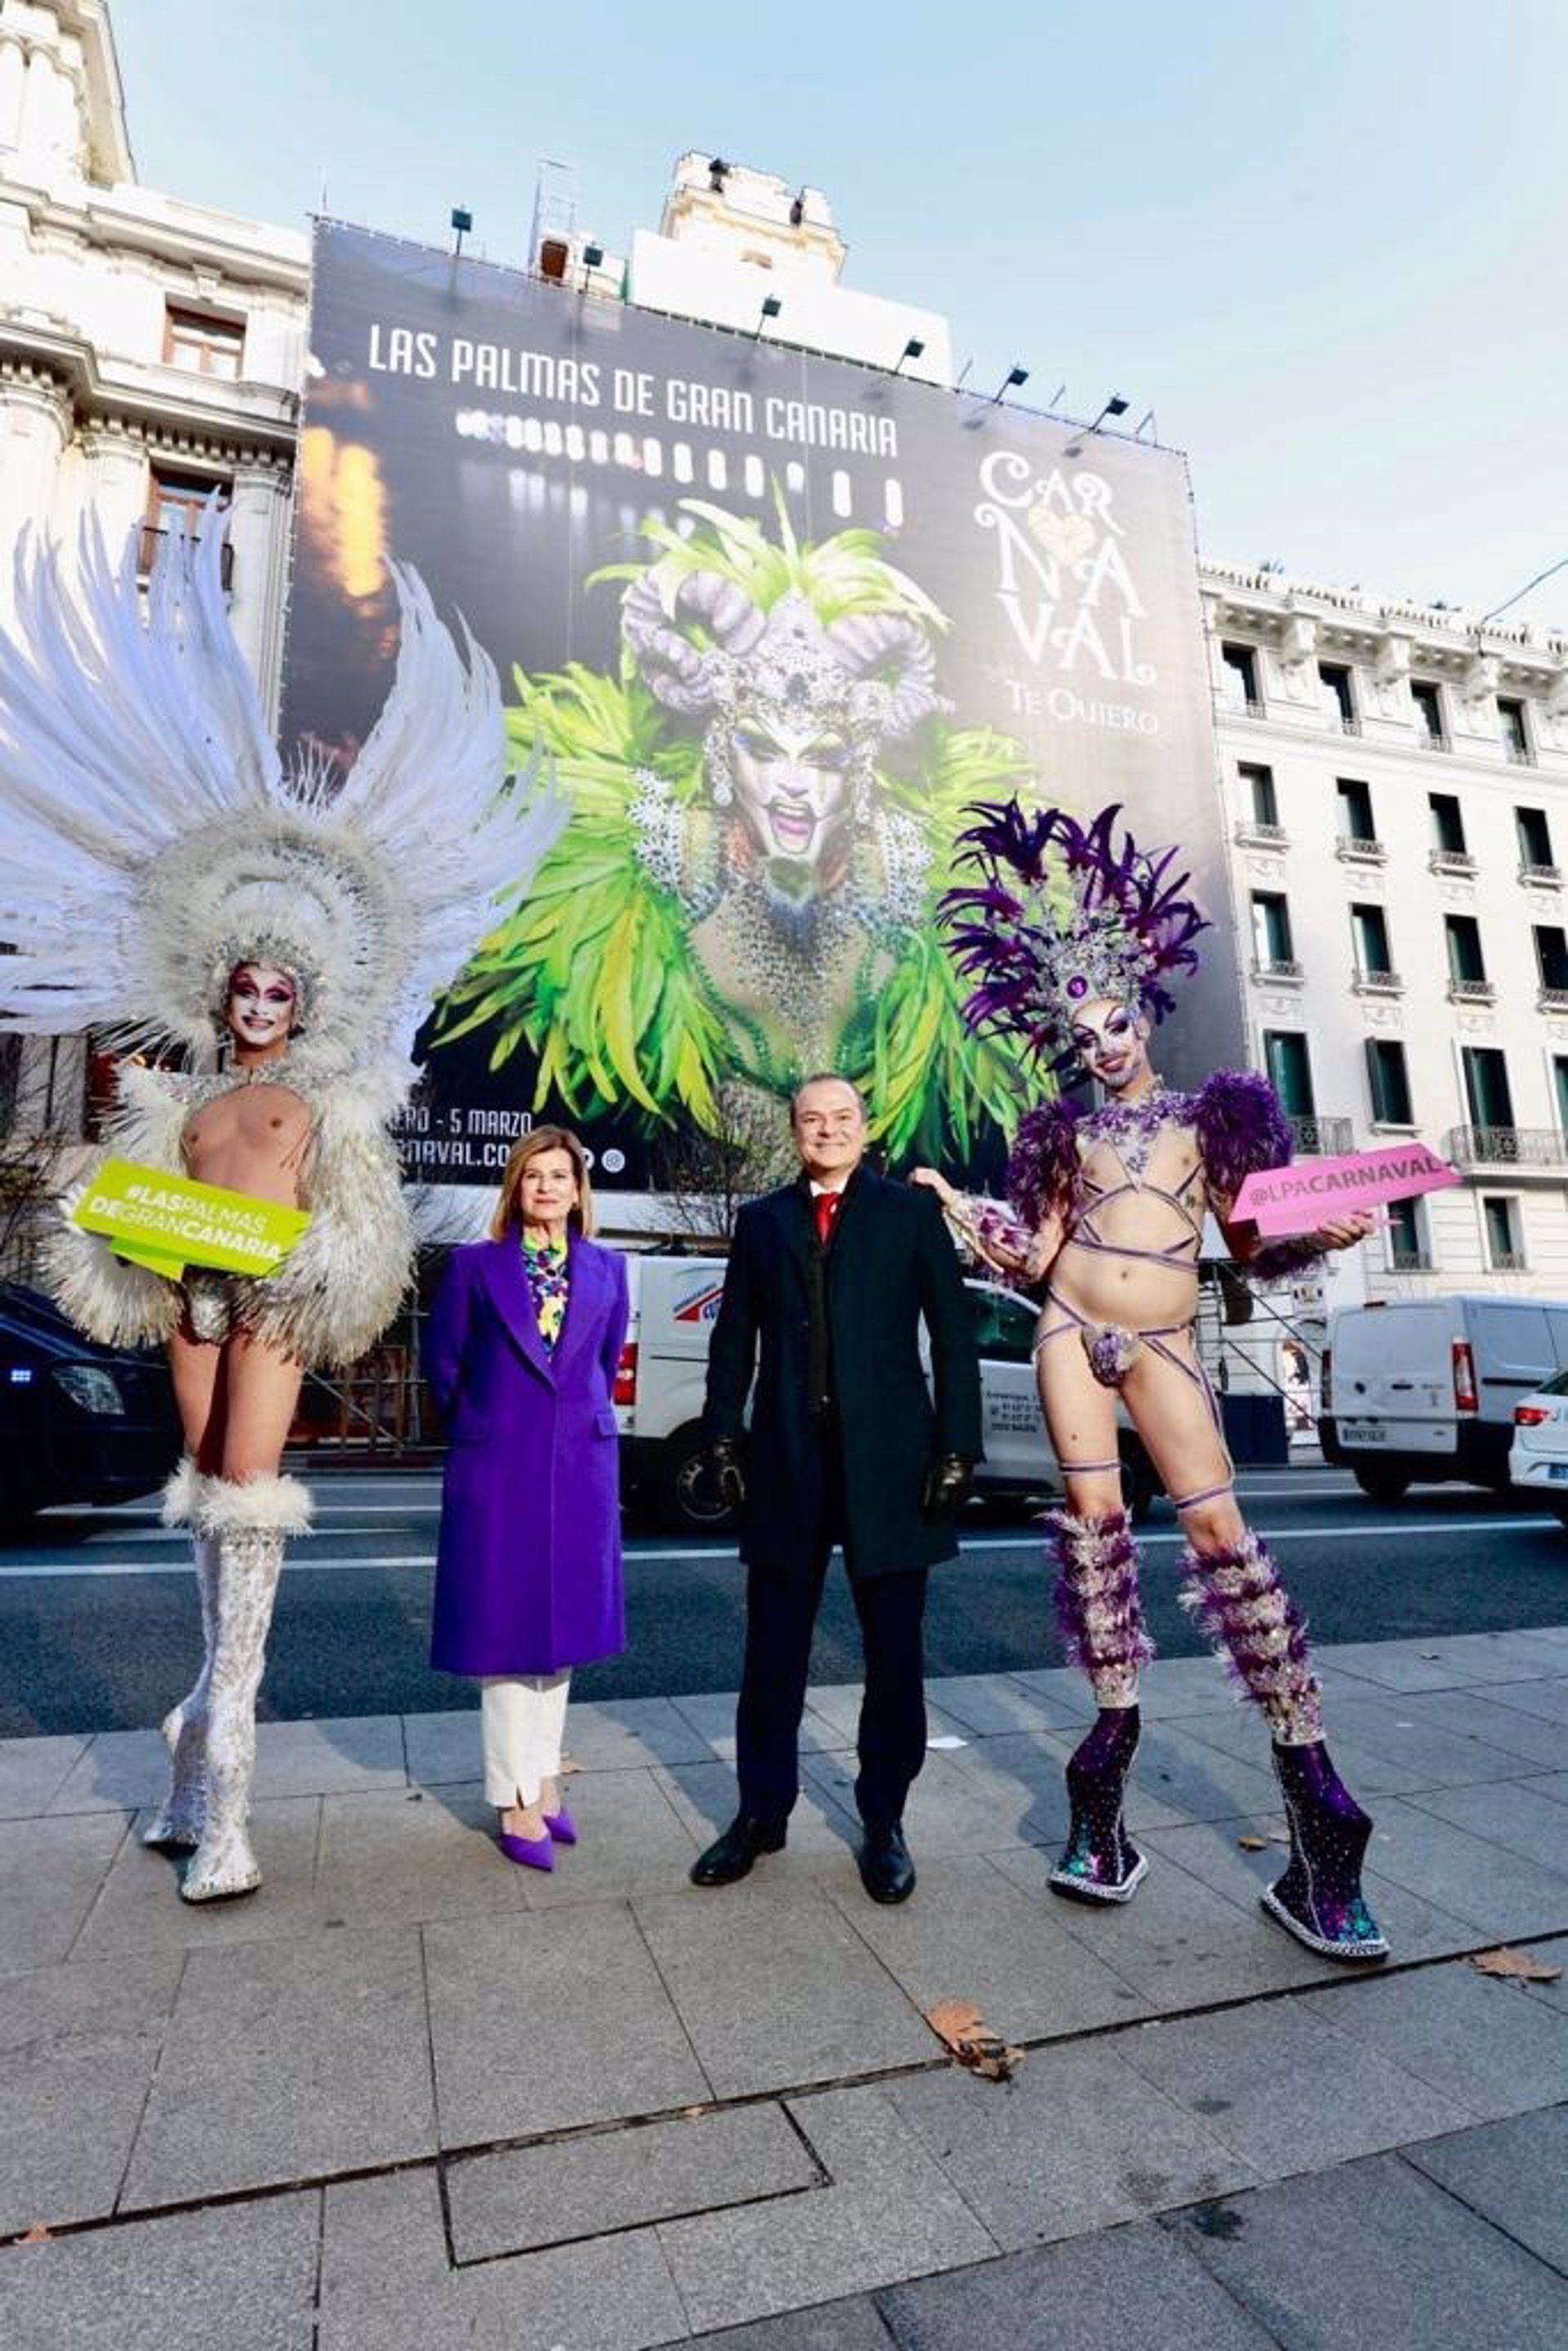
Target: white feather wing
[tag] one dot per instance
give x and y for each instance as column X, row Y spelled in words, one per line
column 116, row 737
column 428, row 788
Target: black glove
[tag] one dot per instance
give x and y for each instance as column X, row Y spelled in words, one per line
column 728, row 1476
column 946, row 1483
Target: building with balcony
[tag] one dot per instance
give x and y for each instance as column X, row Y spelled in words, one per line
column 1394, row 781
column 151, row 350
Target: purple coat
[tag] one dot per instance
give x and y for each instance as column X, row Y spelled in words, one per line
column 528, row 1574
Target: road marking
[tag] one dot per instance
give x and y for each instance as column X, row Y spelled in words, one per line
column 300, row 1562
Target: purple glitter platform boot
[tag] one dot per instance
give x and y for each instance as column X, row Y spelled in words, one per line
column 1101, row 1863
column 1238, row 1598
column 1101, row 1622
column 1319, row 1900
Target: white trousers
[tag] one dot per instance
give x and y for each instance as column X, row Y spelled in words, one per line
column 522, row 1718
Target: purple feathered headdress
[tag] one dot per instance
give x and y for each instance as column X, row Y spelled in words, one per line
column 1064, row 915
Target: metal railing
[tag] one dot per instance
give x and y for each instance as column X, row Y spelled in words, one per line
column 1552, row 1000
column 1279, row 968
column 1451, row 860
column 1430, row 742
column 1510, row 1261
column 1378, row 983
column 1471, row 991
column 1416, row 1260
column 1506, row 1147
column 1544, row 877
column 1363, row 847
column 1520, row 754
column 1261, row 836
column 1319, row 1135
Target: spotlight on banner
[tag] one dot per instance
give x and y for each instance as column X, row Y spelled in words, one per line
column 1114, row 406
column 771, row 306
column 1009, row 382
column 462, row 222
column 912, row 349
column 593, row 259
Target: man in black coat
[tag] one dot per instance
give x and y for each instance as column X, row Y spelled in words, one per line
column 828, row 1282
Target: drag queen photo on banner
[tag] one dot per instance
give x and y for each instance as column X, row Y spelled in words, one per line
column 1068, row 937
column 521, row 1355
column 263, row 945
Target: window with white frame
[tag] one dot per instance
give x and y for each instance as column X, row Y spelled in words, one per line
column 1408, row 1249
column 1504, row 1232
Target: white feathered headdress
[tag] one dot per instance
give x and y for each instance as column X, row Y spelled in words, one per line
column 151, row 839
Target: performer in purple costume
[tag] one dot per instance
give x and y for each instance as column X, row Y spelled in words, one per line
column 1071, row 934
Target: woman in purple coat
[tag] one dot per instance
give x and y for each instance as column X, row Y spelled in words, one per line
column 521, row 1355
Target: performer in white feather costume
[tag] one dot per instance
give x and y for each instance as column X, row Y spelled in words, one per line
column 162, row 879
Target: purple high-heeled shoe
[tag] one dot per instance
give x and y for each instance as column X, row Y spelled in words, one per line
column 561, row 1827
column 533, row 1853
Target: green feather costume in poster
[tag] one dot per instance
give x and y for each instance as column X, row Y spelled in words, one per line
column 765, row 800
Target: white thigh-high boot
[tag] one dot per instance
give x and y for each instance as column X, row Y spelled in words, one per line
column 249, row 1523
column 178, row 1820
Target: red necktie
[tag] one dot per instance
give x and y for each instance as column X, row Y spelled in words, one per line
column 826, row 1204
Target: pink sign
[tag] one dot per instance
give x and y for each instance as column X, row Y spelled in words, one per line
column 1298, row 1198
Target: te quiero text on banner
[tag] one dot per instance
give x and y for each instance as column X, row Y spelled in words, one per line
column 168, row 1222
column 1298, row 1198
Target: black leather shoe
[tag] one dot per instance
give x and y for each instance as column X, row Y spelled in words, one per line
column 731, row 1855
column 886, row 1870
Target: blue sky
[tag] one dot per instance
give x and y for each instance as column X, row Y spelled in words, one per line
column 1323, row 242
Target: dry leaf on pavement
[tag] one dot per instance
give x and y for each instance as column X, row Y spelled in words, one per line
column 38, row 2234
column 970, row 2042
column 1520, row 1967
column 1253, row 1844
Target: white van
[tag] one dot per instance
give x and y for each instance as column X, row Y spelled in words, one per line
column 1424, row 1389
column 663, row 1370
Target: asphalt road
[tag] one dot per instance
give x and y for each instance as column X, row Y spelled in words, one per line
column 99, row 1629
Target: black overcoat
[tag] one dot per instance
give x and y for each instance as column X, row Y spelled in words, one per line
column 889, row 1265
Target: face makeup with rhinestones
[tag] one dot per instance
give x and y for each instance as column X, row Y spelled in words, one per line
column 259, row 1014
column 1112, row 1040
column 792, row 790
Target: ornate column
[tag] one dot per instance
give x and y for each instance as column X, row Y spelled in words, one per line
column 258, row 533
column 113, row 478
column 35, row 426
column 13, row 86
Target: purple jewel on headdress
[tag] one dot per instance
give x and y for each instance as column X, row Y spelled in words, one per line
column 1077, row 986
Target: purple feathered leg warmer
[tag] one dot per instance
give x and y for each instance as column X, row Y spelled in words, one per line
column 1238, row 1599
column 1097, row 1604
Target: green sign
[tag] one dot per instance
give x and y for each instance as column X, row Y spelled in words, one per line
column 168, row 1222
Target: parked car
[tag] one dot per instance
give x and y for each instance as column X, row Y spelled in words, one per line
column 1538, row 1458
column 1426, row 1389
column 663, row 1369
column 78, row 1423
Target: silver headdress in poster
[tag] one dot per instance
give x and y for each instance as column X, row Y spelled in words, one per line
column 714, row 652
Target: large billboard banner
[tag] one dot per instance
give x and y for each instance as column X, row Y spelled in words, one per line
column 775, row 620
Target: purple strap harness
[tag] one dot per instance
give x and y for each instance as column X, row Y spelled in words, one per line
column 1089, row 1200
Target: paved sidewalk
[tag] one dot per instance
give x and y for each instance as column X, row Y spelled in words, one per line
column 408, row 2095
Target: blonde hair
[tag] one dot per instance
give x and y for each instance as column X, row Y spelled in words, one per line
column 543, row 1138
